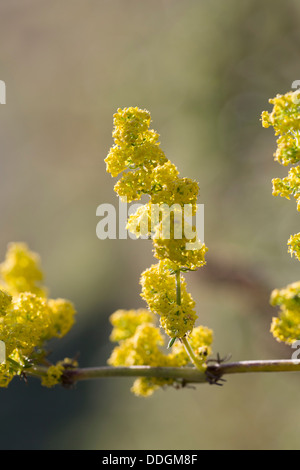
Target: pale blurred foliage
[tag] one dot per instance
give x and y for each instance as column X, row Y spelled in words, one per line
column 205, row 71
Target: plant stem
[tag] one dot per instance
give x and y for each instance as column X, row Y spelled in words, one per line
column 189, row 350
column 284, row 365
column 184, row 374
column 178, row 288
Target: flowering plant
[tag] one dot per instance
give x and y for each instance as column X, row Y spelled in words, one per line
column 285, row 119
column 146, row 170
column 29, row 318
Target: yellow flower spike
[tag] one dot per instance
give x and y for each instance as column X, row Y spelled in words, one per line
column 285, row 119
column 146, row 170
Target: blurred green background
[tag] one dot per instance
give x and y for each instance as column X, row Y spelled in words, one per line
column 205, row 69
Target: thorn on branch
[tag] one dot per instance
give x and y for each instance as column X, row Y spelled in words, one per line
column 67, row 379
column 220, row 360
column 214, row 377
column 213, row 372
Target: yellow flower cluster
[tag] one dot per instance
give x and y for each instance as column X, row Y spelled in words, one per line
column 53, row 376
column 286, row 327
column 288, row 186
column 21, row 271
column 140, row 343
column 126, row 322
column 27, row 317
column 294, row 245
column 285, row 119
column 159, row 291
column 136, row 149
column 201, row 339
column 176, row 252
column 172, row 199
column 5, row 301
column 147, row 171
column 289, row 297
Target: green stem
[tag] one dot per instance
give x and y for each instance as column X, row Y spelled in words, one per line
column 198, row 364
column 184, row 374
column 178, row 288
column 243, row 367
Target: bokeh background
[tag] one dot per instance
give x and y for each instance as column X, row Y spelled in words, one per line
column 205, row 69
